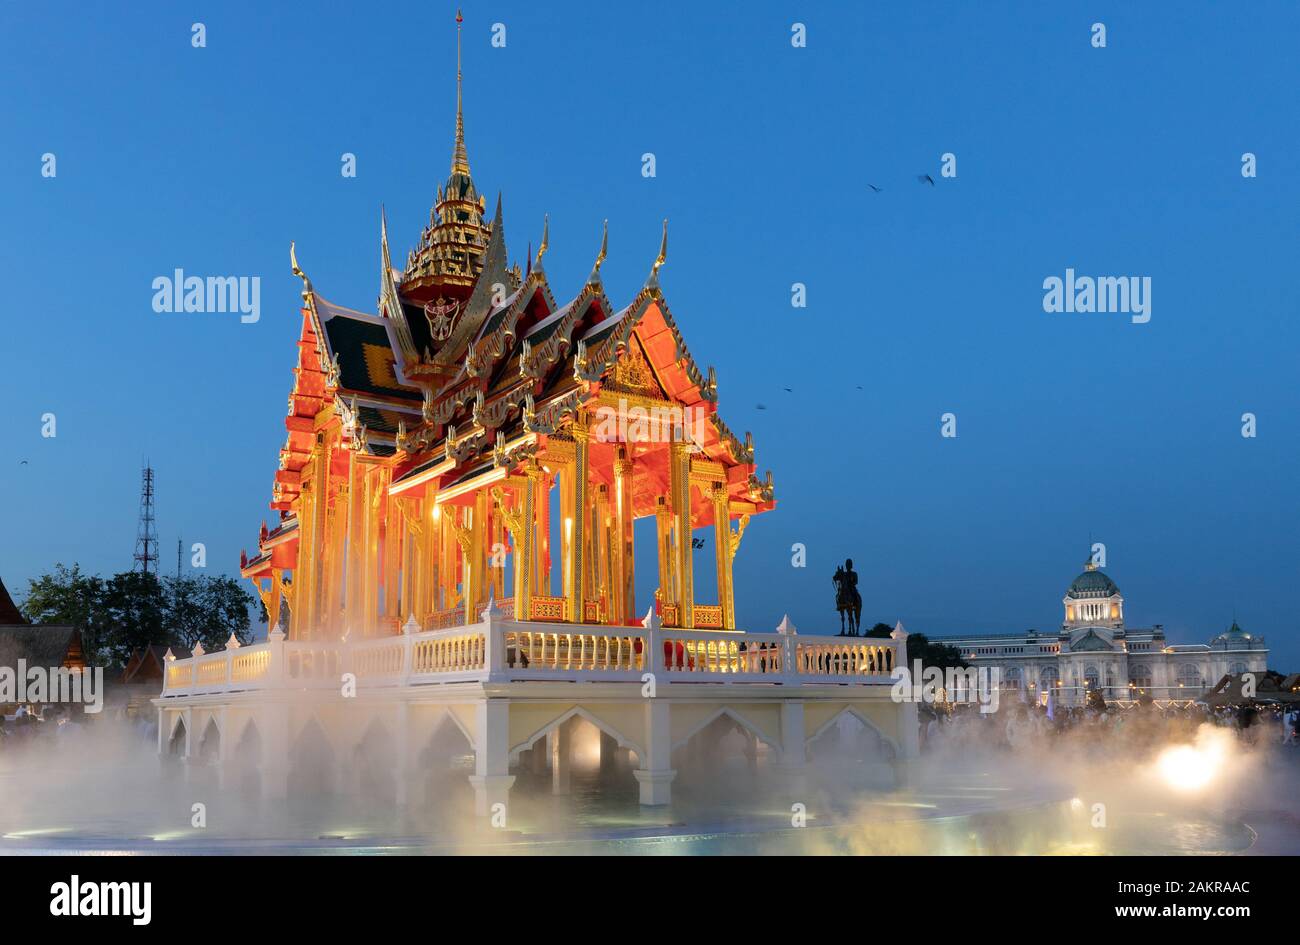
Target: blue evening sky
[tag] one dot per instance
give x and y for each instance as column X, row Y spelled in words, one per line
column 1117, row 161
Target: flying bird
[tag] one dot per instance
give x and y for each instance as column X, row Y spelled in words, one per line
column 875, row 189
column 697, row 542
column 925, row 179
column 760, row 406
column 789, row 390
column 22, row 462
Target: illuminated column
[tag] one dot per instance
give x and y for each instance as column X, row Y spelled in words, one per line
column 722, row 549
column 523, row 529
column 448, row 557
column 680, row 471
column 334, row 563
column 581, row 518
column 664, row 526
column 542, row 570
column 601, row 542
column 624, row 577
column 273, row 606
column 566, row 530
column 496, row 528
column 356, row 507
column 370, row 551
column 393, row 532
column 478, row 554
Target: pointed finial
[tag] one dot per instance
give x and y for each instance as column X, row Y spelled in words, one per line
column 459, row 159
column 653, row 281
column 297, row 270
column 546, row 242
column 594, row 278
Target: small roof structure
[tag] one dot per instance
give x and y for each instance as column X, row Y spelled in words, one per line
column 10, row 615
column 41, row 646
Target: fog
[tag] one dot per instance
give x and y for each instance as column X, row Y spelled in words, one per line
column 100, row 785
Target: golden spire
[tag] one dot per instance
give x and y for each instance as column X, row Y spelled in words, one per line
column 297, row 271
column 546, row 241
column 653, row 281
column 459, row 159
column 594, row 278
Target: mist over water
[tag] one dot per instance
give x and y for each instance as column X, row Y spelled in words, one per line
column 101, row 786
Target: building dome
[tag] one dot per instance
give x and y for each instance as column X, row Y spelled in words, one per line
column 1091, row 584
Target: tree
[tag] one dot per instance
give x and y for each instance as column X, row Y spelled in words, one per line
column 880, row 631
column 133, row 610
column 136, row 615
column 67, row 597
column 207, row 610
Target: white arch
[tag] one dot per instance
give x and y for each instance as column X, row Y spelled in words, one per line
column 177, row 722
column 580, row 712
column 853, row 711
column 736, row 717
column 241, row 731
column 440, row 721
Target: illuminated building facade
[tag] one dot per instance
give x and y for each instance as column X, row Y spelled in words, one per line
column 1094, row 650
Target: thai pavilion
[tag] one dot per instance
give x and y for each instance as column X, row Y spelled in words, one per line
column 456, row 495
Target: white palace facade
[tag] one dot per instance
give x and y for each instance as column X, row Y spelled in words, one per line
column 1094, row 650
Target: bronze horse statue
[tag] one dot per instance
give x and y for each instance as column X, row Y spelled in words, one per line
column 847, row 599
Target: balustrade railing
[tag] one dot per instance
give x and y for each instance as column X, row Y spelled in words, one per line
column 500, row 649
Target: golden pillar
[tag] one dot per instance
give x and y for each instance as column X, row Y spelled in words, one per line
column 722, row 546
column 581, row 520
column 526, row 541
column 313, row 505
column 679, row 461
column 356, row 516
column 394, row 530
column 542, row 569
column 602, row 542
column 664, row 532
column 273, row 605
column 624, row 567
column 478, row 552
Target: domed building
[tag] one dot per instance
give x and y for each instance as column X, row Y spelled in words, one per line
column 1094, row 650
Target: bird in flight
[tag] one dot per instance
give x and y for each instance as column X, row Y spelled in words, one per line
column 761, row 406
column 875, row 188
column 22, row 462
column 925, row 179
column 789, row 390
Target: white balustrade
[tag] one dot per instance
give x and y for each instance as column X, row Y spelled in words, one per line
column 500, row 649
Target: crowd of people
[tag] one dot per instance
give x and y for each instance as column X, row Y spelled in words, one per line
column 1101, row 727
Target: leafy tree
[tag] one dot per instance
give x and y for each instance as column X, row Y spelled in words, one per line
column 135, row 611
column 207, row 610
column 880, row 631
column 67, row 597
column 132, row 610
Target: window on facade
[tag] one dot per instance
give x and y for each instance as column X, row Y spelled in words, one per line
column 1238, row 668
column 1140, row 676
column 1011, row 678
column 1048, row 677
column 1091, row 678
column 1189, row 676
